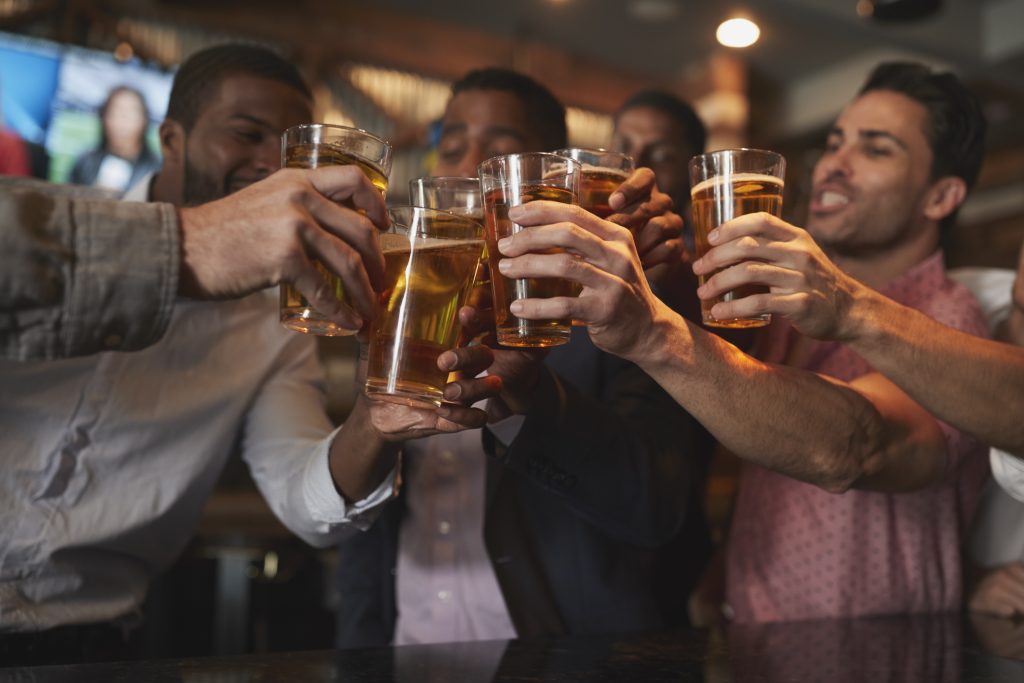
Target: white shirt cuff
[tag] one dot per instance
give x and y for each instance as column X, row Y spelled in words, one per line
column 507, row 430
column 326, row 505
column 1009, row 472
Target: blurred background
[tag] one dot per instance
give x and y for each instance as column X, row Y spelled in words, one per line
column 386, row 66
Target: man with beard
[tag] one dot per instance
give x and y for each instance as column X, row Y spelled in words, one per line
column 853, row 499
column 110, row 457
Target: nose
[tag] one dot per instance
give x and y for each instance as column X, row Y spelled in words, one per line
column 834, row 164
column 467, row 165
column 267, row 158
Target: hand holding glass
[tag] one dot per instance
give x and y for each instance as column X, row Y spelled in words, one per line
column 508, row 181
column 726, row 184
column 311, row 146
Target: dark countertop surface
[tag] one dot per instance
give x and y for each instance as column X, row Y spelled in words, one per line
column 932, row 649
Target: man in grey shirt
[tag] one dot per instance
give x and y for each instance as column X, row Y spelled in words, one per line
column 81, row 273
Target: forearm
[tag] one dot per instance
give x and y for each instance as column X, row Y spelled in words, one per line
column 792, row 421
column 83, row 275
column 359, row 458
column 974, row 384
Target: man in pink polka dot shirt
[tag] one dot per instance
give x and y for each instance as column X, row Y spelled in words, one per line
column 853, row 499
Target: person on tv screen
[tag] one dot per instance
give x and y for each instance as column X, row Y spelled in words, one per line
column 123, row 156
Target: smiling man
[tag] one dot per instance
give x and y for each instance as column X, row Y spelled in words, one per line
column 112, row 456
column 853, row 500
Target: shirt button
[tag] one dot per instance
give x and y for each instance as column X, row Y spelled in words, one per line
column 444, row 528
column 113, row 341
column 444, row 596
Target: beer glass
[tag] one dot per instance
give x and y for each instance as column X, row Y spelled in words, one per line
column 601, row 174
column 448, row 193
column 726, row 184
column 430, row 257
column 508, row 181
column 460, row 196
column 320, row 144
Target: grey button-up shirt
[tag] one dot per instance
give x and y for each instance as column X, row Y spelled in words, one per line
column 81, row 274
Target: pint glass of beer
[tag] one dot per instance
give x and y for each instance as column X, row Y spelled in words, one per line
column 726, row 184
column 319, row 144
column 448, row 193
column 508, row 181
column 459, row 196
column 430, row 257
column 601, row 174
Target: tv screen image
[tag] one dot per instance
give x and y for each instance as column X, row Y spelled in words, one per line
column 134, row 98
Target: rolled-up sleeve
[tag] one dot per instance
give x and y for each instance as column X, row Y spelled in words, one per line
column 80, row 274
column 287, row 443
column 1009, row 472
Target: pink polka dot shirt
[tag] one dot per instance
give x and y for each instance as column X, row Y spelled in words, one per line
column 798, row 552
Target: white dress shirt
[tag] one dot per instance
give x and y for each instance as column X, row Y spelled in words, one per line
column 109, row 458
column 998, row 535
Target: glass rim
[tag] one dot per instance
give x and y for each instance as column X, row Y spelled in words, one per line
column 591, row 150
column 446, row 178
column 413, row 210
column 730, row 150
column 336, row 126
column 523, row 155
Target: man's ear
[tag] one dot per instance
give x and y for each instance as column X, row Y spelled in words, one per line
column 172, row 142
column 944, row 197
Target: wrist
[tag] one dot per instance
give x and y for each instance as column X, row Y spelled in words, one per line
column 662, row 342
column 188, row 281
column 863, row 317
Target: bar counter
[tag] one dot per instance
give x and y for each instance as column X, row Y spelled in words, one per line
column 934, row 649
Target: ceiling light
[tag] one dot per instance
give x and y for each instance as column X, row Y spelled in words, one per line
column 738, row 33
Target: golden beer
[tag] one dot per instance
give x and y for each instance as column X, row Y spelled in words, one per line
column 428, row 274
column 513, row 331
column 313, row 146
column 596, row 186
column 720, row 199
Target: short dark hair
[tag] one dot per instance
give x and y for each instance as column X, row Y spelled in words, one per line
column 694, row 133
column 956, row 123
column 202, row 73
column 544, row 113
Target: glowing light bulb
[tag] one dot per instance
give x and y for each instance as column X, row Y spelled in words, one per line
column 738, row 33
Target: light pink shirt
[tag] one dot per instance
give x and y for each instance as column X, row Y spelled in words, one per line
column 446, row 588
column 798, row 552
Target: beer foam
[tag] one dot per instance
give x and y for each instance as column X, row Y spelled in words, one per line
column 735, row 178
column 591, row 168
column 390, row 242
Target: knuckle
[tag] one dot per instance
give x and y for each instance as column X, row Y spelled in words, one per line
column 746, row 244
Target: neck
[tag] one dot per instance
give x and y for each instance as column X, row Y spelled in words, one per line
column 125, row 149
column 166, row 189
column 877, row 268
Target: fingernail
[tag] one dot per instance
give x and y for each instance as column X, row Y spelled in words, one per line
column 516, row 212
column 504, row 265
column 504, row 243
column 444, row 411
column 713, row 236
column 453, row 391
column 447, row 360
column 516, row 307
column 616, row 199
column 701, row 290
